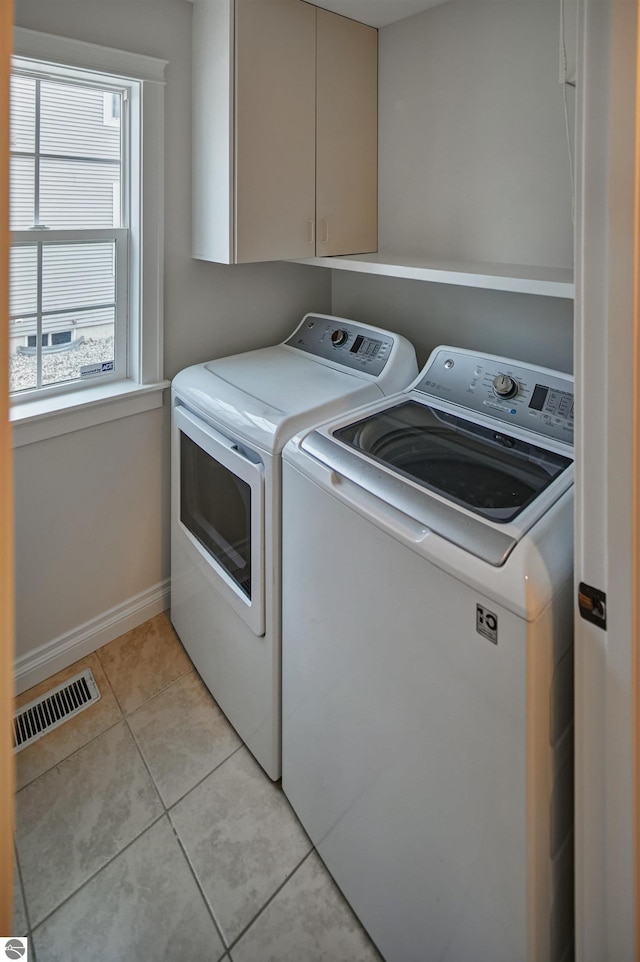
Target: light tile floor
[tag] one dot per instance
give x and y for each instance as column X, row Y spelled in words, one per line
column 146, row 831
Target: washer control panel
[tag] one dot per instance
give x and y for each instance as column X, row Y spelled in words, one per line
column 533, row 398
column 347, row 343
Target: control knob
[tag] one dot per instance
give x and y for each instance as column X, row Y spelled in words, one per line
column 339, row 337
column 505, row 386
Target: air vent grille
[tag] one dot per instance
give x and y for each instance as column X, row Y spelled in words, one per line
column 50, row 710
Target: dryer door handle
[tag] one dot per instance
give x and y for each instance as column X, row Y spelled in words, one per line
column 202, row 432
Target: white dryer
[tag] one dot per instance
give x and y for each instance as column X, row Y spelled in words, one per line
column 428, row 659
column 230, row 420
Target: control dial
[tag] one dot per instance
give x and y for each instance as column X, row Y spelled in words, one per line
column 505, row 386
column 339, row 337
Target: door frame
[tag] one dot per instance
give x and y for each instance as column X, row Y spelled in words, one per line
column 6, row 499
column 607, row 550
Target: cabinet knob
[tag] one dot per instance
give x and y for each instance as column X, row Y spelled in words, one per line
column 325, row 231
column 312, row 231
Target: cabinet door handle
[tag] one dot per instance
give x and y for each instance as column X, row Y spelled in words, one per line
column 325, row 231
column 312, row 233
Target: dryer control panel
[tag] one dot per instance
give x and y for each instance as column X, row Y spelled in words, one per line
column 534, row 398
column 345, row 342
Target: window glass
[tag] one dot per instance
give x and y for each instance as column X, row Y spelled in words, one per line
column 22, row 196
column 22, row 130
column 72, row 122
column 215, row 505
column 66, row 176
column 79, row 193
column 85, row 349
column 78, row 275
column 23, row 280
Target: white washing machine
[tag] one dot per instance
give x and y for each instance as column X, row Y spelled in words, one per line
column 428, row 659
column 230, row 420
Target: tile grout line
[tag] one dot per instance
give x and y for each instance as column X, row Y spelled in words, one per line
column 85, row 660
column 71, row 754
column 125, row 847
column 273, row 895
column 167, row 812
column 22, row 889
column 166, row 807
column 123, row 717
column 97, row 872
column 208, row 907
column 160, row 691
column 123, row 714
column 227, row 945
column 172, row 682
column 204, row 777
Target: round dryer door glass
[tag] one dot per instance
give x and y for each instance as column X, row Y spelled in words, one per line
column 484, row 470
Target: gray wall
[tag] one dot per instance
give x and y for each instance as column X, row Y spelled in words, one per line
column 92, row 517
column 474, row 167
column 521, row 326
column 473, row 151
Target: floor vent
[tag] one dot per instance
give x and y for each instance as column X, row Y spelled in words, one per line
column 42, row 715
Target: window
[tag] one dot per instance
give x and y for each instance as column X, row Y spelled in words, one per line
column 85, row 265
column 57, row 338
column 69, row 265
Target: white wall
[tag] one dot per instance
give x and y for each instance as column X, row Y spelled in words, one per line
column 473, row 166
column 473, row 155
column 522, row 326
column 88, row 532
column 92, row 507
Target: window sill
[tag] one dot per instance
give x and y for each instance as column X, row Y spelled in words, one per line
column 50, row 417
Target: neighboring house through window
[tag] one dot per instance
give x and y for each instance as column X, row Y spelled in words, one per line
column 86, row 219
column 69, row 265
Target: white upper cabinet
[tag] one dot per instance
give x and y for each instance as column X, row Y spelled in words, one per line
column 284, row 132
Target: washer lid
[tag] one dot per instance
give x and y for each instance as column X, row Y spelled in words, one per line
column 265, row 396
column 463, row 480
column 487, row 471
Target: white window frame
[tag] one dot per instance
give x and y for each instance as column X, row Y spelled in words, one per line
column 109, row 119
column 141, row 390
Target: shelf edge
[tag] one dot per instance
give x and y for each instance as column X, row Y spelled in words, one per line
column 461, row 278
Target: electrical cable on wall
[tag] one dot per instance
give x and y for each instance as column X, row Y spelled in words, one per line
column 565, row 82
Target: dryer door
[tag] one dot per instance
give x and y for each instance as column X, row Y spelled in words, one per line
column 220, row 506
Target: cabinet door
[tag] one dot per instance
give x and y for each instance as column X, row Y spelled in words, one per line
column 274, row 129
column 347, row 136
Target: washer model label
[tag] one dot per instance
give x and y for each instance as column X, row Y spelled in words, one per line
column 487, row 624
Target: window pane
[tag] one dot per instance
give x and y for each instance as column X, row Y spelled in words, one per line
column 23, row 280
column 23, row 113
column 74, row 123
column 78, row 275
column 79, row 193
column 81, row 345
column 22, row 198
column 22, row 359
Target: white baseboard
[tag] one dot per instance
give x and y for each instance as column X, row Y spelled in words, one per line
column 42, row 662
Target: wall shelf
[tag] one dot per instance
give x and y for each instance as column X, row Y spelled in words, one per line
column 545, row 281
